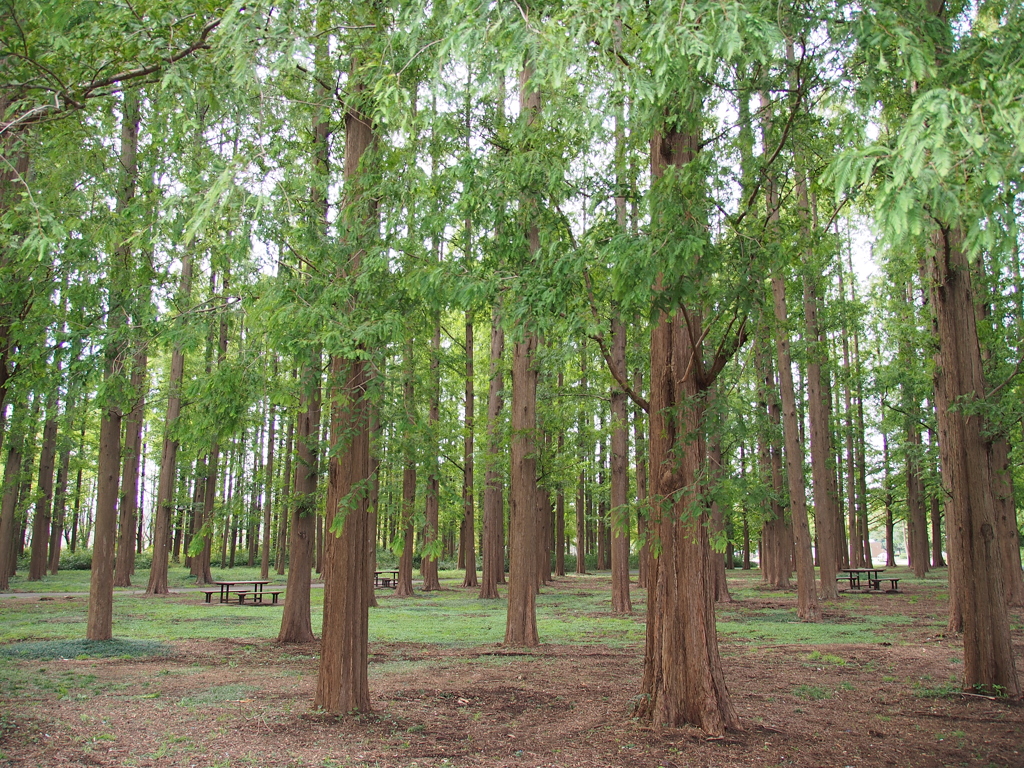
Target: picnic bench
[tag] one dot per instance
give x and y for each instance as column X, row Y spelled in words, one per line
column 386, row 578
column 869, row 578
column 248, row 591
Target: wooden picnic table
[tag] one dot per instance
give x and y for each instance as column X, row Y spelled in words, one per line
column 872, row 578
column 230, row 588
column 386, row 578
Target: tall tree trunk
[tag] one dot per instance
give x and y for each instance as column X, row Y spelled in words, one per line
column 807, row 597
column 620, row 476
column 342, row 685
column 285, row 514
column 296, row 621
column 494, row 512
column 12, row 479
column 99, row 624
column 521, row 620
column 683, row 681
column 268, row 491
column 44, row 496
column 974, row 554
column 581, row 489
column 640, row 470
column 917, row 526
column 124, row 564
column 428, row 562
column 169, row 455
column 468, row 498
column 404, row 586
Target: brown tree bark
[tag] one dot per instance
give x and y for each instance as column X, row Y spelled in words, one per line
column 975, row 558
column 12, row 478
column 404, row 586
column 428, row 561
column 44, row 496
column 124, row 564
column 99, row 624
column 468, row 546
column 296, row 621
column 683, row 680
column 342, row 685
column 169, row 456
column 807, row 597
column 581, row 488
column 494, row 514
column 268, row 490
column 521, row 619
column 619, row 476
column 917, row 526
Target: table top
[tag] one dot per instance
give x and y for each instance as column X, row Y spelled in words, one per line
column 244, row 581
column 862, row 570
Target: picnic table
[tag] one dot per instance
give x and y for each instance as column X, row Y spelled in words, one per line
column 253, row 589
column 869, row 578
column 386, row 578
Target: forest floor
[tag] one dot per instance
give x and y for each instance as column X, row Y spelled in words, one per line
column 876, row 684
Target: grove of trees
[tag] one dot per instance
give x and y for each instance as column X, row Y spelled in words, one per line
column 290, row 284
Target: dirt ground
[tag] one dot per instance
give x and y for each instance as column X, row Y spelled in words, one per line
column 232, row 704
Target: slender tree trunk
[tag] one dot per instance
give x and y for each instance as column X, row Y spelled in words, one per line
column 268, row 490
column 404, row 586
column 494, row 512
column 132, row 459
column 296, row 621
column 44, row 496
column 807, row 597
column 468, row 497
column 428, row 562
column 285, row 514
column 620, row 477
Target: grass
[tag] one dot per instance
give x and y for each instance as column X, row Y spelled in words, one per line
column 574, row 612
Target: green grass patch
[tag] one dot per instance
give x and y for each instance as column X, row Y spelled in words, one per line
column 84, row 649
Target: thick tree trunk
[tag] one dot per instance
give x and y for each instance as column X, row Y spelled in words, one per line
column 12, row 478
column 521, row 619
column 342, row 685
column 975, row 557
column 494, row 514
column 1006, row 521
column 683, row 680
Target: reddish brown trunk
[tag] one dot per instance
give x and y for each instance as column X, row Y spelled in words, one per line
column 494, row 515
column 296, row 622
column 44, row 491
column 521, row 620
column 404, row 586
column 620, row 477
column 342, row 685
column 468, row 547
column 169, row 457
column 124, row 565
column 428, row 563
column 974, row 554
